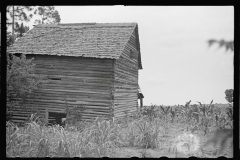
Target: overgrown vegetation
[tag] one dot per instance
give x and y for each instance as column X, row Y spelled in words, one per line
column 145, row 129
column 21, row 82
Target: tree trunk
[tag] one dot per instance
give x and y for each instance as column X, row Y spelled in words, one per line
column 13, row 23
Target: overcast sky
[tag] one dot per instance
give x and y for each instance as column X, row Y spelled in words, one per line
column 177, row 64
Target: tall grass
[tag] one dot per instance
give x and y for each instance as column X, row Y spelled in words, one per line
column 35, row 140
column 144, row 129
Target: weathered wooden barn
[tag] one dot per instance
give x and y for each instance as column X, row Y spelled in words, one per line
column 86, row 64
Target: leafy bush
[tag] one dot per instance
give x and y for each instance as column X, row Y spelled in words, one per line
column 229, row 95
column 21, row 82
column 150, row 112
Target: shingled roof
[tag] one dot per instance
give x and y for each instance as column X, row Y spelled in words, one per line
column 98, row 40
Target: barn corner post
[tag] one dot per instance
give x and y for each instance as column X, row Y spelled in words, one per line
column 140, row 96
column 46, row 117
column 112, row 90
column 111, row 107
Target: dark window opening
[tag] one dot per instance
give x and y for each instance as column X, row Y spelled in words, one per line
column 71, row 100
column 18, row 54
column 59, row 79
column 15, row 54
column 56, row 118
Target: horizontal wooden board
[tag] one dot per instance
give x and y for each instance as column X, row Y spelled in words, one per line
column 72, row 91
column 62, row 102
column 83, row 89
column 71, row 95
column 74, row 98
column 66, row 82
column 124, row 107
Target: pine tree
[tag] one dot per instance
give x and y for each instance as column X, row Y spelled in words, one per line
column 18, row 13
column 48, row 15
column 21, row 29
column 21, row 14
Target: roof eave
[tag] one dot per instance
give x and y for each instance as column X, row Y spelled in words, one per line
column 138, row 47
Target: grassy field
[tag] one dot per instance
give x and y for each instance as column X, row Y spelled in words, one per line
column 155, row 131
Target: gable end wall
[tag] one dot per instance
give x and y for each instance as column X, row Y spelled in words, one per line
column 126, row 80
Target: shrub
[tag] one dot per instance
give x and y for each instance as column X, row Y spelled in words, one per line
column 21, row 82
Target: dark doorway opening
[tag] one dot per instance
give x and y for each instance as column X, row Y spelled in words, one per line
column 56, row 118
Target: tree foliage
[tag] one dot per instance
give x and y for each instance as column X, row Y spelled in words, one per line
column 229, row 95
column 48, row 15
column 16, row 15
column 19, row 13
column 10, row 39
column 21, row 29
column 21, row 81
column 229, row 45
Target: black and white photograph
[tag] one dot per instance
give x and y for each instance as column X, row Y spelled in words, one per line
column 119, row 81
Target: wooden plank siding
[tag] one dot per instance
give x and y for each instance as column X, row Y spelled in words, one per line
column 79, row 81
column 126, row 80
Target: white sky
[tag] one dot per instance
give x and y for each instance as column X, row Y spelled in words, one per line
column 177, row 64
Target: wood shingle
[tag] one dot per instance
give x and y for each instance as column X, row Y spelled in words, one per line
column 96, row 40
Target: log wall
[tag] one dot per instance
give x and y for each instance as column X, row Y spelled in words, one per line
column 126, row 79
column 79, row 81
